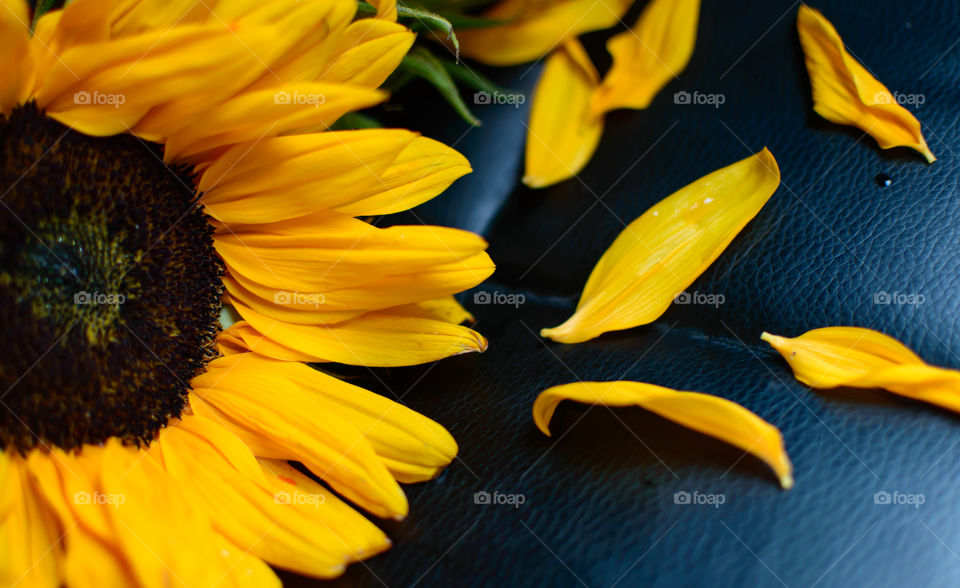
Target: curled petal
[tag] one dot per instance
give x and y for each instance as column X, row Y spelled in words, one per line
column 710, row 415
column 661, row 253
column 563, row 133
column 863, row 358
column 846, row 93
column 646, row 57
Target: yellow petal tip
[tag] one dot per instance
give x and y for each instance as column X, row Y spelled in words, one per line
column 533, row 182
column 786, row 481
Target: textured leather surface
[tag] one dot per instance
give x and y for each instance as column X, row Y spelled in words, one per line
column 599, row 502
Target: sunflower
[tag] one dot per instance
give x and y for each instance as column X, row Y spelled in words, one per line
column 167, row 172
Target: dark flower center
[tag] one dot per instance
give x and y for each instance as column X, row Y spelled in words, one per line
column 110, row 287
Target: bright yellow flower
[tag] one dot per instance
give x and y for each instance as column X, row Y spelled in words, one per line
column 533, row 28
column 846, row 93
column 649, row 55
column 710, row 415
column 161, row 159
column 661, row 253
column 563, row 134
column 855, row 357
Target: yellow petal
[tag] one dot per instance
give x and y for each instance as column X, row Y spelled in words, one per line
column 397, row 336
column 424, row 169
column 386, row 9
column 710, row 415
column 7, row 488
column 646, row 57
column 661, row 253
column 16, row 54
column 294, row 426
column 241, row 337
column 286, row 177
column 373, row 48
column 316, row 537
column 332, row 251
column 413, row 447
column 328, row 267
column 563, row 132
column 833, row 356
column 268, row 113
column 164, row 540
column 447, row 309
column 334, row 306
column 533, row 29
column 106, row 88
column 846, row 93
column 89, row 561
column 29, row 539
column 863, row 358
column 296, row 56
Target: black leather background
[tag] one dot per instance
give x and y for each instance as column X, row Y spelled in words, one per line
column 599, row 497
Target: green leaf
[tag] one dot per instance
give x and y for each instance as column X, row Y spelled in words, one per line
column 472, row 78
column 420, row 19
column 423, row 64
column 417, row 19
column 355, row 120
column 466, row 21
column 42, row 7
column 364, row 10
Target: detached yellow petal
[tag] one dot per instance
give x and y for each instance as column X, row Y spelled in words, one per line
column 649, row 55
column 563, row 134
column 862, row 358
column 844, row 92
column 661, row 253
column 533, row 29
column 710, row 415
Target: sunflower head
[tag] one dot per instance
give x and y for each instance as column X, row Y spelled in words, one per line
column 162, row 164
